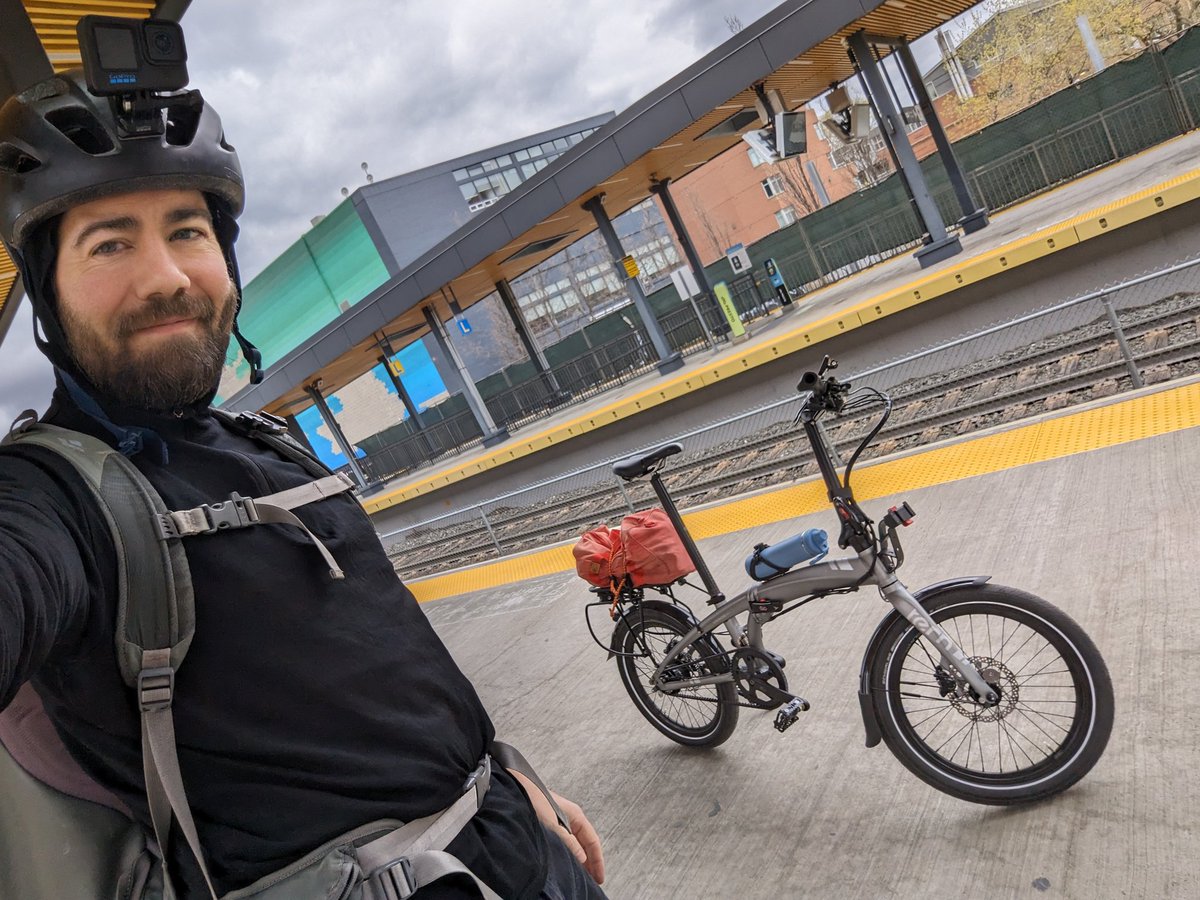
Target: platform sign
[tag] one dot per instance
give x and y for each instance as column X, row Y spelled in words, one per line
column 685, row 282
column 725, row 301
column 396, row 367
column 739, row 259
column 631, row 266
column 463, row 325
column 778, row 285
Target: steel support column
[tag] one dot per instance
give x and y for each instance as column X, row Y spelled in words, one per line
column 491, row 434
column 509, row 300
column 662, row 189
column 941, row 245
column 974, row 216
column 389, row 352
column 668, row 360
column 338, row 435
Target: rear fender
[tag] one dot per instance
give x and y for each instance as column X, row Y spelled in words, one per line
column 870, row 722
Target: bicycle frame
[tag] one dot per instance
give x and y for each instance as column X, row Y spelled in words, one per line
column 867, row 567
column 818, row 578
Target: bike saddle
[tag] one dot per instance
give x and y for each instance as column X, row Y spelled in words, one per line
column 640, row 463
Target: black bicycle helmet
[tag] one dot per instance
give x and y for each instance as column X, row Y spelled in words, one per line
column 61, row 146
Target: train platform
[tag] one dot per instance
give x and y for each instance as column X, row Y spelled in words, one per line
column 1157, row 182
column 1090, row 509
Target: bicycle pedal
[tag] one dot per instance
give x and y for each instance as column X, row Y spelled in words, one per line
column 789, row 713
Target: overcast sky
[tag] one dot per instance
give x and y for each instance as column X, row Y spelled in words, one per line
column 309, row 91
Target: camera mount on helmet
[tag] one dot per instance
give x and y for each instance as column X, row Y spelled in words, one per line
column 133, row 62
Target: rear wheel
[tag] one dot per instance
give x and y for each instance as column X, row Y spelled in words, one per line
column 1054, row 715
column 695, row 717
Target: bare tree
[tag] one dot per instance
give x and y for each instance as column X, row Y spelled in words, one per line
column 734, row 24
column 718, row 233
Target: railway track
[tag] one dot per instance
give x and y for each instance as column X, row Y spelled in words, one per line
column 1081, row 364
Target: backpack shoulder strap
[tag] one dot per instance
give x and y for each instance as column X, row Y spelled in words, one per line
column 273, row 431
column 155, row 611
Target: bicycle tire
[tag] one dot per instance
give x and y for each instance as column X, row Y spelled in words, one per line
column 1052, row 731
column 641, row 641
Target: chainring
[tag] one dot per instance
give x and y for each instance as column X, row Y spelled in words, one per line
column 752, row 670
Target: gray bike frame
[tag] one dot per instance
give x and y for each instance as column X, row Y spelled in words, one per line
column 864, row 569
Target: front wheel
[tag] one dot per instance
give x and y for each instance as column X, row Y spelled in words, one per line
column 695, row 717
column 1050, row 725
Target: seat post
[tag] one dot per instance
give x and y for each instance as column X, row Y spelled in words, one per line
column 668, row 505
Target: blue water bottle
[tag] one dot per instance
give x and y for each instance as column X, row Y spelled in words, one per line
column 767, row 562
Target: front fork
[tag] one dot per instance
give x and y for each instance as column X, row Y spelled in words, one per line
column 952, row 655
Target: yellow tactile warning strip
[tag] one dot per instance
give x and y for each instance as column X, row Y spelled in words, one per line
column 1166, row 195
column 1140, row 417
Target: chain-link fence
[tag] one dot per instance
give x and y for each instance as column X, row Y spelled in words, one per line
column 1141, row 331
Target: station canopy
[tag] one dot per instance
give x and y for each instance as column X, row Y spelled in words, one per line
column 797, row 49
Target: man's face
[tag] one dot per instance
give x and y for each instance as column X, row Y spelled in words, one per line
column 144, row 296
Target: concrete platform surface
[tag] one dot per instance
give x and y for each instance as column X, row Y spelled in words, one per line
column 1107, row 535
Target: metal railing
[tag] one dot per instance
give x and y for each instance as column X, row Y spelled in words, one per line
column 1142, row 330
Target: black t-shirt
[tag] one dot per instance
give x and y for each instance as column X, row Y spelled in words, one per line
column 305, row 707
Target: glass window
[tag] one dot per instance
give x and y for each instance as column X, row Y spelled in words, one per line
column 522, row 154
column 773, row 185
column 468, row 190
column 575, row 138
column 489, row 165
column 535, row 150
column 475, row 170
column 504, row 160
column 529, row 170
column 541, row 164
column 547, row 146
column 561, row 144
column 460, row 174
column 786, row 216
column 512, row 179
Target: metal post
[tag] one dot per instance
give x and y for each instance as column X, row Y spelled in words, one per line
column 974, row 218
column 668, row 360
column 509, row 301
column 338, row 435
column 624, row 493
column 941, row 245
column 662, row 189
column 491, row 434
column 1134, row 375
column 491, row 534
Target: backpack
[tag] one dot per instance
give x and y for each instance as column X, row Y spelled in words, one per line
column 646, row 548
column 51, row 812
column 599, row 557
column 654, row 552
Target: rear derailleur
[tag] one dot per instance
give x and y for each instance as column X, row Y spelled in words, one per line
column 762, row 685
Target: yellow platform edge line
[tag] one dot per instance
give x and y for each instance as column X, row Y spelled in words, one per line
column 1054, row 238
column 1162, row 412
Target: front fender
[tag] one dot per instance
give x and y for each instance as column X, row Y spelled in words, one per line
column 870, row 722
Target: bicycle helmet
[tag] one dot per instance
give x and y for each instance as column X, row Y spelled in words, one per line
column 61, row 146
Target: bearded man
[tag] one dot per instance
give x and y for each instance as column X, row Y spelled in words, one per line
column 309, row 705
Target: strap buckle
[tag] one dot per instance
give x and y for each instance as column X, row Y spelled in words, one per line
column 480, row 780
column 156, row 688
column 236, row 512
column 395, row 881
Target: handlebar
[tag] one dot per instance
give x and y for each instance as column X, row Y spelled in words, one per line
column 825, row 394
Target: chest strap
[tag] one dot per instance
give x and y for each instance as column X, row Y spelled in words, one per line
column 241, row 512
